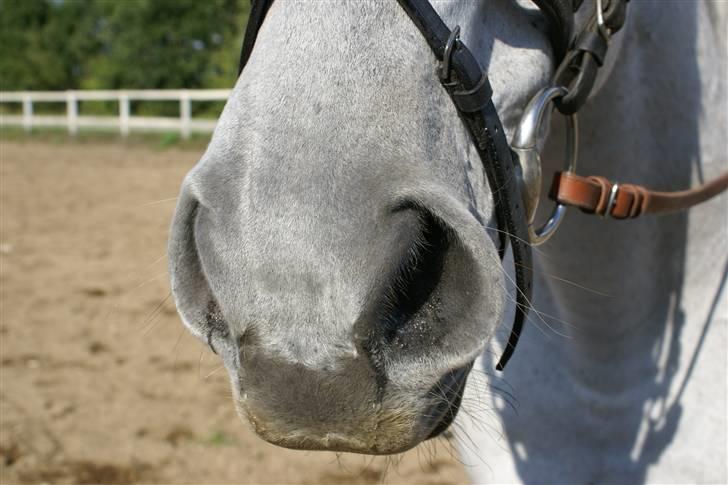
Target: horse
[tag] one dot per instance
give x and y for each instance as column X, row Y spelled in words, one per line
column 337, row 245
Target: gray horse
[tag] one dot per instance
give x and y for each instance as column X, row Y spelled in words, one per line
column 336, row 246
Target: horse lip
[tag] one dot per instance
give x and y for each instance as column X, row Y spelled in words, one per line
column 450, row 387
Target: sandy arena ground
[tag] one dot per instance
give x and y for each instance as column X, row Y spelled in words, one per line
column 99, row 383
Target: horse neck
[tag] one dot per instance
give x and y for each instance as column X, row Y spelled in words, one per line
column 655, row 122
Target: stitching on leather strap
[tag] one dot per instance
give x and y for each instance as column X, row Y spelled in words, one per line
column 476, row 98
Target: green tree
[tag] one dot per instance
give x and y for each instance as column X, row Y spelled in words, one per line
column 120, row 44
column 162, row 43
column 17, row 21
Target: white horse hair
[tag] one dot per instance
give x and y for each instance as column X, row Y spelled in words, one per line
column 335, row 245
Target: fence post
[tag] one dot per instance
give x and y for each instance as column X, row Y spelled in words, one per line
column 72, row 112
column 185, row 114
column 27, row 112
column 124, row 113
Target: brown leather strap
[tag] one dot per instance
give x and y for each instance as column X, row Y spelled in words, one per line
column 597, row 195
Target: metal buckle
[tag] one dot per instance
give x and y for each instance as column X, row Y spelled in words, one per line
column 527, row 143
column 449, row 46
column 612, row 200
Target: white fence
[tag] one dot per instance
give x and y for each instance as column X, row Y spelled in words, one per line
column 125, row 122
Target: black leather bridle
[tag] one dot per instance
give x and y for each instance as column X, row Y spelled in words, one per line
column 470, row 90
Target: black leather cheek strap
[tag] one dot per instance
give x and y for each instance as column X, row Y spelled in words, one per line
column 258, row 9
column 470, row 89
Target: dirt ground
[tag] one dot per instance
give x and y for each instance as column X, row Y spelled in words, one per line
column 99, row 383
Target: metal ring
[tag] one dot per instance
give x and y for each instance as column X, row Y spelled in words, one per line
column 527, row 143
column 449, row 46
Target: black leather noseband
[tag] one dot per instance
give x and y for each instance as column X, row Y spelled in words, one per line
column 468, row 86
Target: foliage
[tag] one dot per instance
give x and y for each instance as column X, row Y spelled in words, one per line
column 120, row 44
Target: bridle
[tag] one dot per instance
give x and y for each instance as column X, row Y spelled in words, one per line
column 515, row 170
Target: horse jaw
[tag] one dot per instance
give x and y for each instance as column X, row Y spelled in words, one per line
column 335, row 244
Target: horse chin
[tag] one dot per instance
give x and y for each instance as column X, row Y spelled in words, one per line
column 384, row 444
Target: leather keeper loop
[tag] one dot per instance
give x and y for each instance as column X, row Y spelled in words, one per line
column 476, row 98
column 601, row 207
column 577, row 73
column 639, row 196
column 594, row 44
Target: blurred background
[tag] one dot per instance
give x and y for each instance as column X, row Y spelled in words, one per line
column 104, row 106
column 48, row 45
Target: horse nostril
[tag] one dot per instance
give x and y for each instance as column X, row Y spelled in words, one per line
column 431, row 307
column 196, row 303
column 417, row 276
